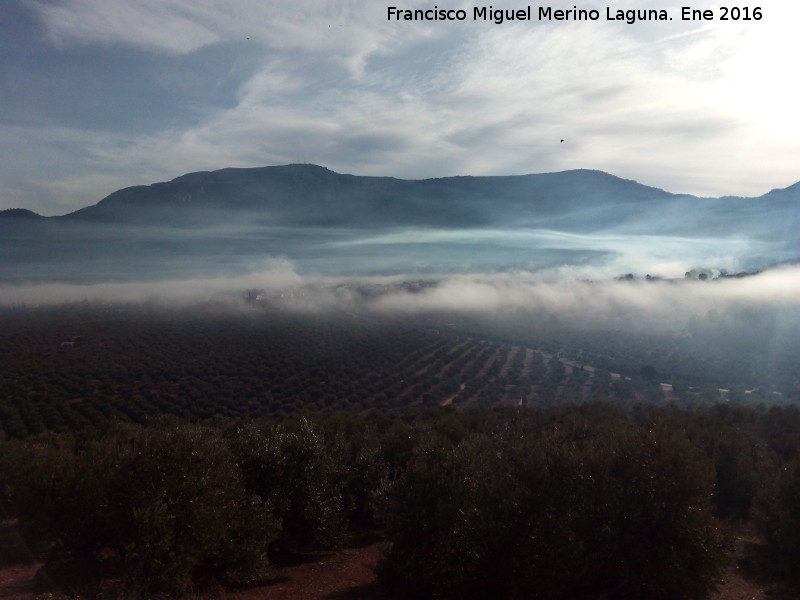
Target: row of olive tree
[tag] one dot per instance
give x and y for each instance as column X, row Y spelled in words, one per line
column 167, row 509
column 778, row 518
column 527, row 513
column 585, row 501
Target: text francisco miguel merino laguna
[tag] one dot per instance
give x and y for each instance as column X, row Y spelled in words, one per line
column 548, row 13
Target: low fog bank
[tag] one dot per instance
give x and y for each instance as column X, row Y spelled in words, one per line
column 638, row 305
column 578, row 246
column 656, row 306
column 276, row 274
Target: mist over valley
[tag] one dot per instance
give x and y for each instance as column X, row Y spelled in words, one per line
column 560, row 226
column 513, row 312
column 574, row 261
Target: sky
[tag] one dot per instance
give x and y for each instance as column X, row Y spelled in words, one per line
column 97, row 95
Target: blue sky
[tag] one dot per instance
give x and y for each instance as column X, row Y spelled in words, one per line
column 96, row 95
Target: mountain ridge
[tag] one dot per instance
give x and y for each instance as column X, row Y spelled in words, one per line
column 331, row 198
column 199, row 177
column 231, row 220
column 193, row 188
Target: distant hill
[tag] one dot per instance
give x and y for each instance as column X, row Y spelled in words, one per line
column 315, row 196
column 233, row 221
column 19, row 213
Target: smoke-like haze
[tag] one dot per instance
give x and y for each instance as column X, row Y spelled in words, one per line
column 661, row 305
column 637, row 305
column 277, row 275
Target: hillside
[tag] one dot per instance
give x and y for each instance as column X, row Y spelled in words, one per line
column 309, row 195
column 233, row 221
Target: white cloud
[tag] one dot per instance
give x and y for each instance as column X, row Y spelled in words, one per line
column 345, row 30
column 646, row 306
column 704, row 108
column 156, row 24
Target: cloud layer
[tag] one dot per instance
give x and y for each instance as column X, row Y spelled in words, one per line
column 645, row 306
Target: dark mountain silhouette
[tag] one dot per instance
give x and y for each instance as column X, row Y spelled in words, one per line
column 310, row 195
column 19, row 213
column 230, row 221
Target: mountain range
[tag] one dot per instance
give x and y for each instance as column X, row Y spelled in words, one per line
column 231, row 221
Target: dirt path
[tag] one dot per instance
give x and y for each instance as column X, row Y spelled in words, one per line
column 347, row 574
column 18, row 582
column 752, row 574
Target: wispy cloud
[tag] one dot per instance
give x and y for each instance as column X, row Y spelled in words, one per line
column 705, row 108
column 153, row 24
column 346, row 30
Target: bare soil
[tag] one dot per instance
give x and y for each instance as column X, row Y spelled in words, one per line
column 348, row 574
column 752, row 574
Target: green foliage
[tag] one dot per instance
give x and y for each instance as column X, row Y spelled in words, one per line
column 778, row 517
column 574, row 502
column 133, row 362
column 33, row 479
column 355, row 446
column 291, row 469
column 624, row 513
column 161, row 509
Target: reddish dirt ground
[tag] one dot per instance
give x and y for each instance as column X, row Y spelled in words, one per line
column 345, row 574
column 751, row 575
column 19, row 582
column 348, row 574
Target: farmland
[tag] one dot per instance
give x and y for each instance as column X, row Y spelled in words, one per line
column 80, row 366
column 258, row 432
column 85, row 365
